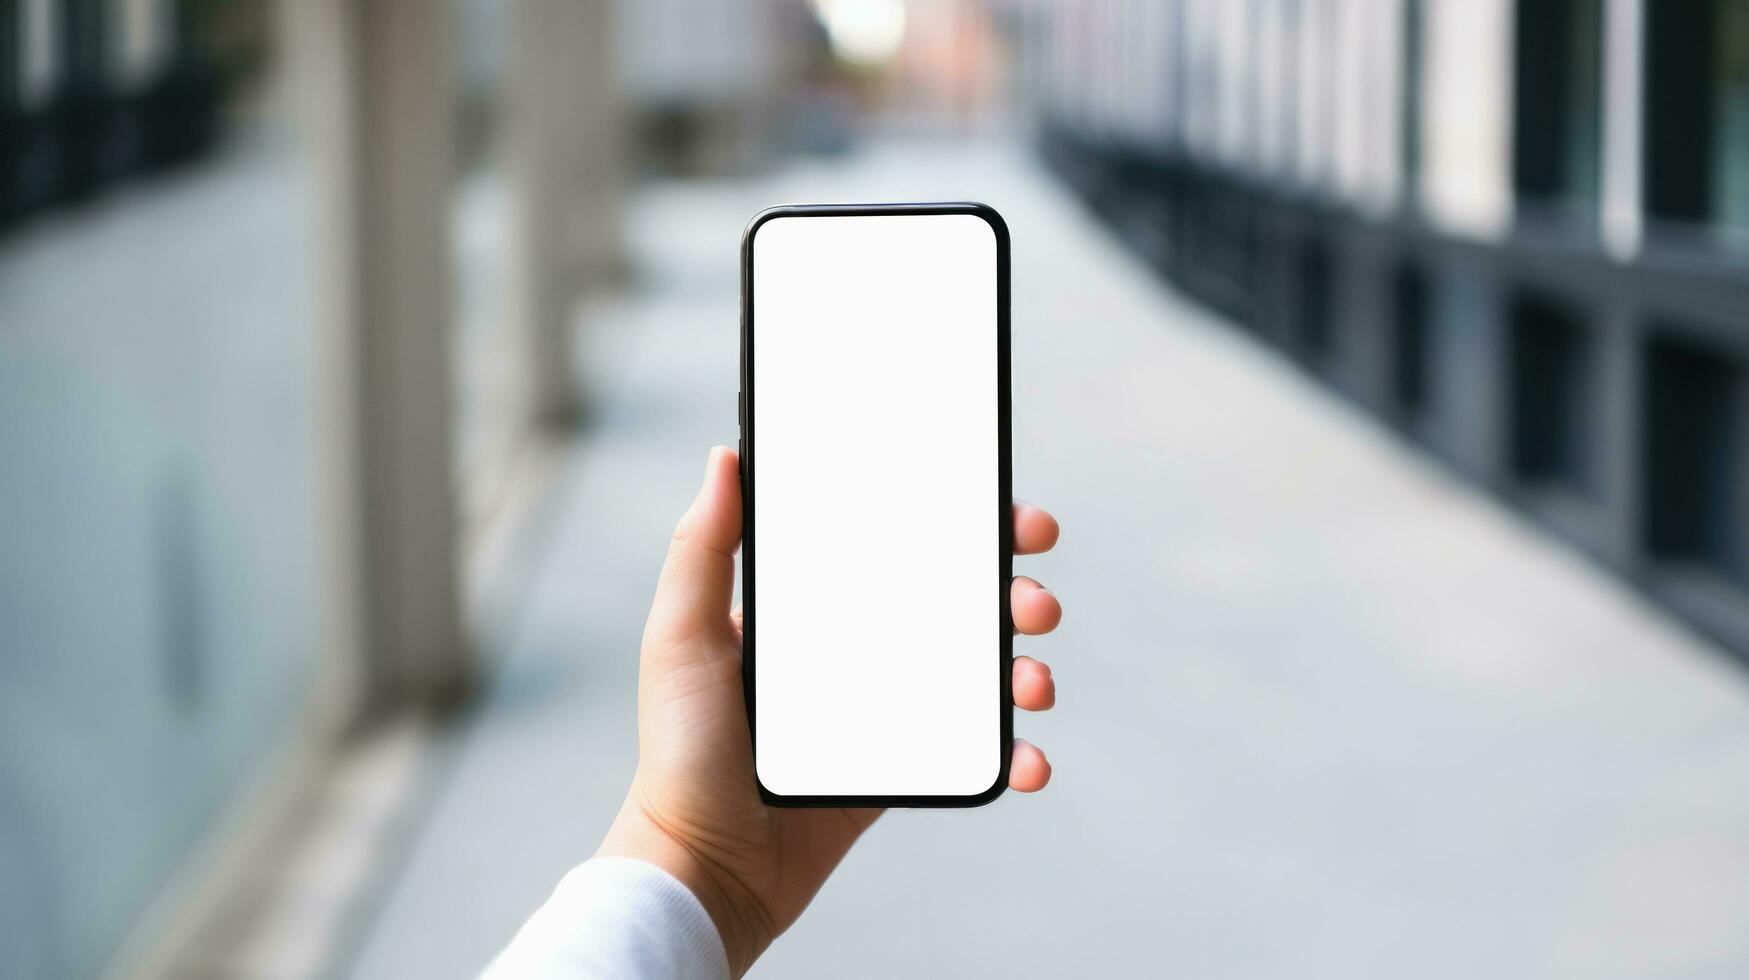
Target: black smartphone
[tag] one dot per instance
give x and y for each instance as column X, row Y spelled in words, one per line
column 878, row 531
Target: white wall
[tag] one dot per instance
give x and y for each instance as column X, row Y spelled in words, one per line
column 1314, row 115
column 1466, row 136
column 1272, row 145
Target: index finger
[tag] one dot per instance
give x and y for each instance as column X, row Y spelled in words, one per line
column 1035, row 530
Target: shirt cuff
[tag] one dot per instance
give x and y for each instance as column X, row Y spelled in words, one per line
column 615, row 917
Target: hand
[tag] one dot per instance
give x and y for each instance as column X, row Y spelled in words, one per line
column 694, row 809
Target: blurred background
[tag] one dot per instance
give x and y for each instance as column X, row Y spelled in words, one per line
column 1387, row 362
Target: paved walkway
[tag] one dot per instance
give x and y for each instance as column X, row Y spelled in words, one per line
column 1324, row 712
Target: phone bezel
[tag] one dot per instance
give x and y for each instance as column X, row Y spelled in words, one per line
column 1004, row 498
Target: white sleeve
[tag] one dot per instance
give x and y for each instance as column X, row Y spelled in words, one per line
column 615, row 917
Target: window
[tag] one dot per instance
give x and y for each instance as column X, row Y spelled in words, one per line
column 1553, row 383
column 1317, row 299
column 1697, row 114
column 1696, row 456
column 1730, row 163
column 1411, row 360
column 1557, row 123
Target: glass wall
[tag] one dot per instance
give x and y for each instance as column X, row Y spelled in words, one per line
column 159, row 588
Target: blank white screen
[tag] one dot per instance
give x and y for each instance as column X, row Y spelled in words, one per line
column 876, row 549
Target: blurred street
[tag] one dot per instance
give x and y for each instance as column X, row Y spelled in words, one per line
column 1386, row 363
column 1325, row 711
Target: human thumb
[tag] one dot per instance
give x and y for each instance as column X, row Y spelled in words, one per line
column 698, row 579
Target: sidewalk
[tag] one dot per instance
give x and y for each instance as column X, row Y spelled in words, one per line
column 1323, row 710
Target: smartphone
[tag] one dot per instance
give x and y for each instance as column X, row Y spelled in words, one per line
column 877, row 526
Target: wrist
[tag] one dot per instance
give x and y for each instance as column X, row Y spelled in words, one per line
column 637, row 833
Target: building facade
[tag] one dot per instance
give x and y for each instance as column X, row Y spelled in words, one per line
column 1515, row 232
